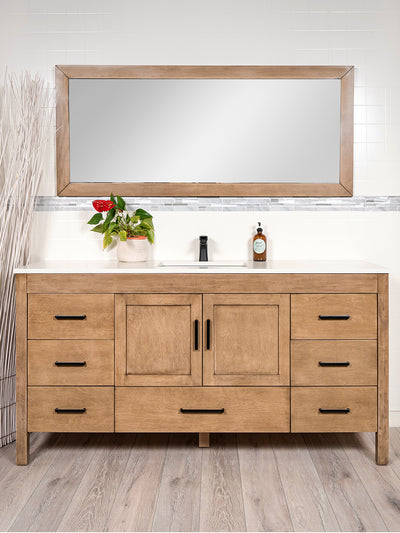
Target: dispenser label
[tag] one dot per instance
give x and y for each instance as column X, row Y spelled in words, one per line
column 259, row 246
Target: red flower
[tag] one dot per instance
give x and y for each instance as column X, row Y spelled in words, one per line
column 103, row 205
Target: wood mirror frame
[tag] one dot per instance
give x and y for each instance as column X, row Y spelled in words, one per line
column 344, row 188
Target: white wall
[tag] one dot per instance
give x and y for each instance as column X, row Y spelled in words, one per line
column 37, row 34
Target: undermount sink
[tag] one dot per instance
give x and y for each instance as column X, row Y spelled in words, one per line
column 203, row 264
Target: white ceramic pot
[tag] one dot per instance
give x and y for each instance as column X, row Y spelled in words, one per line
column 134, row 249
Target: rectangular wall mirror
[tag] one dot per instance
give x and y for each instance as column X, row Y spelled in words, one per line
column 204, row 130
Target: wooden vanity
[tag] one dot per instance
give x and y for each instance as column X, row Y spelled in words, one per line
column 295, row 348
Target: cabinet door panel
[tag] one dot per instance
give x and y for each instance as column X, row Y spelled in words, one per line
column 246, row 339
column 155, row 339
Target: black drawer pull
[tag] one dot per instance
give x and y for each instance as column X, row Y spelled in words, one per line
column 70, row 363
column 77, row 411
column 196, row 334
column 334, row 317
column 208, row 334
column 212, row 411
column 344, row 411
column 70, row 317
column 334, row 363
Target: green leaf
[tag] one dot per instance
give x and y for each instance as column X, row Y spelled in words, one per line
column 120, row 203
column 96, row 219
column 98, row 229
column 107, row 240
column 122, row 235
column 135, row 219
column 147, row 224
column 142, row 214
column 109, row 217
column 150, row 236
column 128, row 218
column 112, row 198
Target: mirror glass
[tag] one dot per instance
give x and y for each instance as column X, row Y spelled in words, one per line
column 204, row 130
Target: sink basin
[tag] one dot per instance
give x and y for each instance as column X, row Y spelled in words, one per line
column 204, row 264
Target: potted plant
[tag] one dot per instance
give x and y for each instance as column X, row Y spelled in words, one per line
column 133, row 230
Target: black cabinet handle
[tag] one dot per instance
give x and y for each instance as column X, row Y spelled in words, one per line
column 334, row 317
column 334, row 363
column 76, row 411
column 196, row 334
column 70, row 317
column 344, row 411
column 208, row 334
column 70, row 363
column 212, row 411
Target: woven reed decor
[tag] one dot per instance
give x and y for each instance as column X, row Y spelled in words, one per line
column 25, row 121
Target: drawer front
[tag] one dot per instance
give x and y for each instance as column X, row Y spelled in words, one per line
column 313, row 409
column 318, row 362
column 71, row 316
column 334, row 316
column 93, row 409
column 226, row 409
column 70, row 362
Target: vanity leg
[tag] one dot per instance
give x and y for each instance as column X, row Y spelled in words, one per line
column 204, row 440
column 381, row 447
column 21, row 335
column 22, row 448
column 382, row 435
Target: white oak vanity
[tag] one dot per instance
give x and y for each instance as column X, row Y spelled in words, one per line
column 275, row 347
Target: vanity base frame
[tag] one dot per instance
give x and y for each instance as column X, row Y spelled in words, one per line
column 206, row 388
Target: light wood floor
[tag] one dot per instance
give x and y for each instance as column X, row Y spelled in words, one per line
column 166, row 483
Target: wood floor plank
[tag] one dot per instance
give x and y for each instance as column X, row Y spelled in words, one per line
column 19, row 483
column 381, row 483
column 394, row 453
column 178, row 506
column 354, row 509
column 264, row 500
column 7, row 458
column 91, row 504
column 136, row 499
column 8, row 453
column 309, row 506
column 221, row 491
column 46, row 507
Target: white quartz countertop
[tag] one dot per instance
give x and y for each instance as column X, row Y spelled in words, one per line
column 190, row 267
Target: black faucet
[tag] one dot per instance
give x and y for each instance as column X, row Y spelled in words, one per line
column 203, row 248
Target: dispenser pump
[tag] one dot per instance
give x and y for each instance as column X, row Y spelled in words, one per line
column 259, row 245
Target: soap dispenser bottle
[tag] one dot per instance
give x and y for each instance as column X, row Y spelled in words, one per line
column 259, row 245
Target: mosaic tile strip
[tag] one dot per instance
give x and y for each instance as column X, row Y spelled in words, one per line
column 356, row 203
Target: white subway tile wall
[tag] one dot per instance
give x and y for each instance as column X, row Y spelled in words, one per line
column 37, row 34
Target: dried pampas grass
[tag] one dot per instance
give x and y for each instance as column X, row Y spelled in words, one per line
column 25, row 120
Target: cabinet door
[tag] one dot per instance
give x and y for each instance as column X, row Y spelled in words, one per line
column 158, row 339
column 246, row 339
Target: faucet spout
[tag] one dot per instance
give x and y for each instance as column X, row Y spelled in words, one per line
column 203, row 255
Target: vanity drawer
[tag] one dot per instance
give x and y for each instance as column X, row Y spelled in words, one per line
column 334, row 316
column 70, row 362
column 226, row 409
column 326, row 362
column 313, row 409
column 70, row 316
column 93, row 409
